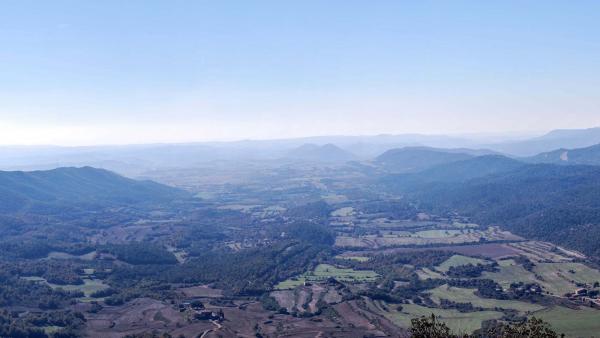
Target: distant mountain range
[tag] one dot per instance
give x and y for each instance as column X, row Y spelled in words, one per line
column 556, row 139
column 135, row 160
column 40, row 191
column 417, row 159
column 320, row 153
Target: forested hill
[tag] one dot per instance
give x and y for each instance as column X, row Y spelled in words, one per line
column 550, row 202
column 588, row 155
column 64, row 187
column 458, row 171
column 415, row 159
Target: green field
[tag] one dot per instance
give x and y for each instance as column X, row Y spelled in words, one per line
column 324, row 271
column 205, row 195
column 560, row 278
column 439, row 233
column 584, row 322
column 426, row 273
column 333, row 198
column 458, row 260
column 34, row 279
column 510, row 272
column 88, row 287
column 459, row 322
column 395, row 233
column 63, row 255
column 354, row 258
column 461, row 295
column 556, row 278
column 465, row 225
column 343, row 212
column 50, row 329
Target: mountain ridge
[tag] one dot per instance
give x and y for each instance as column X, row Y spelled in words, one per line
column 555, row 139
column 586, row 156
column 68, row 186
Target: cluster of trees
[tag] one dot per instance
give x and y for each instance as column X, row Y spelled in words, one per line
column 486, row 288
column 431, row 327
column 16, row 291
column 417, row 259
column 53, row 271
column 251, row 271
column 200, row 236
column 461, row 307
column 525, row 262
column 308, row 233
column 294, row 248
column 316, row 211
column 520, row 290
column 31, row 325
column 394, row 209
column 135, row 286
column 395, row 267
column 471, row 270
column 141, row 253
column 28, row 249
column 248, row 272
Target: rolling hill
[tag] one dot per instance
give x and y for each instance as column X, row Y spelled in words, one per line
column 35, row 191
column 450, row 173
column 465, row 170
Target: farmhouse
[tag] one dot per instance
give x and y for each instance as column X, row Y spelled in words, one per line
column 210, row 315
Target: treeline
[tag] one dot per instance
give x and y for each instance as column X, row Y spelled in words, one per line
column 140, row 253
column 471, row 270
column 418, row 259
column 395, row 209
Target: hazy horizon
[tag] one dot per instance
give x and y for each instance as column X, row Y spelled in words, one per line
column 500, row 137
column 89, row 73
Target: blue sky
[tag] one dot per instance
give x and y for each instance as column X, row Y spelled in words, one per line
column 89, row 72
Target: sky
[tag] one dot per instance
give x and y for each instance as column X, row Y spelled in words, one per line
column 108, row 72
